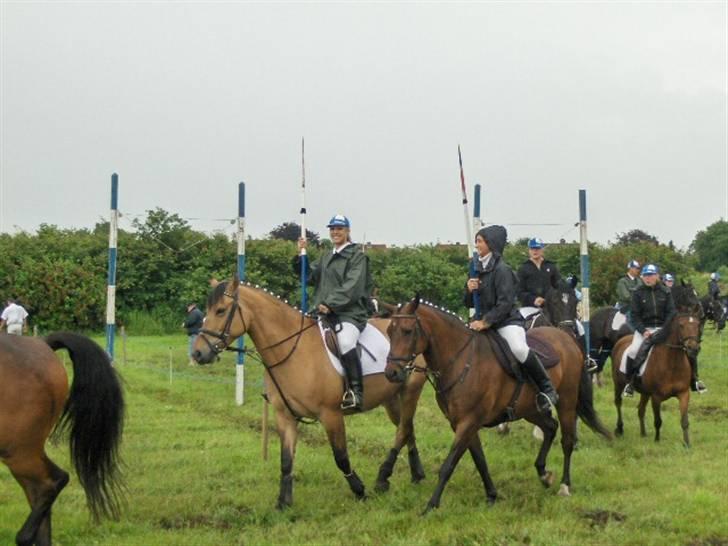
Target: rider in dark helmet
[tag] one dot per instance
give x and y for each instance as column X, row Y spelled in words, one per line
column 342, row 288
column 496, row 287
column 713, row 286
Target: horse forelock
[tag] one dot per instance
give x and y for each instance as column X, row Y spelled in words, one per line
column 216, row 294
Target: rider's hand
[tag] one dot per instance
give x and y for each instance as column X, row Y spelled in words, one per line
column 323, row 309
column 539, row 301
column 473, row 285
column 302, row 243
column 479, row 325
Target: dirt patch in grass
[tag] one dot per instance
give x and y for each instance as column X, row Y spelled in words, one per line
column 192, row 521
column 600, row 518
column 710, row 411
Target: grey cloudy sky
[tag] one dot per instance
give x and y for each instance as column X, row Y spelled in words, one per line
column 184, row 100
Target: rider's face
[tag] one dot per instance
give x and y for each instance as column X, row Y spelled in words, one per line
column 339, row 235
column 482, row 246
column 535, row 253
column 649, row 280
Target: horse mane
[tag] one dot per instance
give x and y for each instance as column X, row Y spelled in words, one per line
column 451, row 316
column 219, row 291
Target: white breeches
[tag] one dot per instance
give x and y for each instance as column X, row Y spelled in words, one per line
column 579, row 327
column 347, row 337
column 515, row 336
column 637, row 340
column 15, row 329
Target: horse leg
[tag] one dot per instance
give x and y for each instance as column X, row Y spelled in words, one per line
column 41, row 481
column 288, row 434
column 333, row 422
column 618, row 386
column 656, row 402
column 641, row 413
column 567, row 419
column 476, row 452
column 684, row 399
column 464, row 432
column 549, row 426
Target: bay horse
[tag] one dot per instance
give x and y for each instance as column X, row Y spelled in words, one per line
column 300, row 381
column 667, row 373
column 35, row 400
column 473, row 391
column 713, row 310
column 559, row 309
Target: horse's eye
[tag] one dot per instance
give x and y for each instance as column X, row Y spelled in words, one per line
column 220, row 312
column 407, row 332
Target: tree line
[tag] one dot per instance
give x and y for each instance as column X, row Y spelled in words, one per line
column 163, row 263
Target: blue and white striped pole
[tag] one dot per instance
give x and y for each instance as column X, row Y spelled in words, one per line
column 240, row 367
column 585, row 271
column 477, row 221
column 303, row 255
column 111, row 281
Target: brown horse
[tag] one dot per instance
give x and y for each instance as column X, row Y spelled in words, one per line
column 473, row 391
column 301, row 383
column 667, row 373
column 34, row 398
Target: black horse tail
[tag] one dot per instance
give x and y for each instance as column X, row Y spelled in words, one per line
column 94, row 417
column 585, row 406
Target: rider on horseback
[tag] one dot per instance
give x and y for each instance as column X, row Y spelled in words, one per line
column 713, row 286
column 652, row 308
column 536, row 277
column 626, row 286
column 342, row 288
column 497, row 291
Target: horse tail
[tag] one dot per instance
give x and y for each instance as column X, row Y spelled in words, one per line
column 585, row 406
column 94, row 418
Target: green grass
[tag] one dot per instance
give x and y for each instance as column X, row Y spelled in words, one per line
column 196, row 476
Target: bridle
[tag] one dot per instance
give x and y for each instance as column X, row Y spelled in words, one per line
column 223, row 338
column 406, row 363
column 682, row 341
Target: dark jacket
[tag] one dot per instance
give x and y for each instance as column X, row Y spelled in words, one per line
column 714, row 289
column 652, row 307
column 342, row 282
column 534, row 282
column 625, row 290
column 497, row 284
column 193, row 322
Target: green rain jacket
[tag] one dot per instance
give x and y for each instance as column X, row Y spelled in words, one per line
column 625, row 288
column 343, row 283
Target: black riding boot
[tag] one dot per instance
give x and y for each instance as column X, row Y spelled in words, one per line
column 353, row 397
column 628, row 391
column 547, row 396
column 634, row 365
column 696, row 384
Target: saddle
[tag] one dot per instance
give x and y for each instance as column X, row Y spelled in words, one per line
column 534, row 338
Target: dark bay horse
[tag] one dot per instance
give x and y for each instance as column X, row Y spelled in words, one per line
column 301, row 382
column 713, row 310
column 559, row 309
column 35, row 399
column 473, row 391
column 667, row 373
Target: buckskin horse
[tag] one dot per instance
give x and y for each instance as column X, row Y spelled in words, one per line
column 474, row 391
column 667, row 372
column 301, row 383
column 35, row 400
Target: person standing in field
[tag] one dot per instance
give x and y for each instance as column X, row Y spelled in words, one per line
column 14, row 318
column 193, row 325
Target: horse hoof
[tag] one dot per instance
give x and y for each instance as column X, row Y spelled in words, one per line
column 564, row 491
column 491, row 500
column 428, row 509
column 381, row 487
column 547, row 479
column 503, row 428
column 281, row 505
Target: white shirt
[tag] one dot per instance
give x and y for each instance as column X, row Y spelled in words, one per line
column 485, row 259
column 14, row 314
column 342, row 247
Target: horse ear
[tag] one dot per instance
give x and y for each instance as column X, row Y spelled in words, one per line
column 236, row 283
column 416, row 301
column 213, row 282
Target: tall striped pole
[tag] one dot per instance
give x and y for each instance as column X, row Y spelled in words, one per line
column 304, row 256
column 240, row 367
column 469, row 234
column 111, row 280
column 477, row 220
column 585, row 271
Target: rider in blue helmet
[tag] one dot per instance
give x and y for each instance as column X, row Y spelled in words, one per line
column 342, row 288
column 651, row 309
column 713, row 286
column 668, row 280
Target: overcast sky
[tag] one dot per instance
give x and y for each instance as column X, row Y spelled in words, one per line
column 184, row 100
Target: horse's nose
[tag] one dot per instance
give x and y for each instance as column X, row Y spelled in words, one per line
column 197, row 356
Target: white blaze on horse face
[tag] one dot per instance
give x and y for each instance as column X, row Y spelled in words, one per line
column 565, row 298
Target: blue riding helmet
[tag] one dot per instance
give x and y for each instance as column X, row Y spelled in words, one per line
column 339, row 221
column 633, row 263
column 649, row 269
column 668, row 277
column 715, row 276
column 536, row 243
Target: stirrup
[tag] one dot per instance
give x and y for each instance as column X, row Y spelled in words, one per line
column 350, row 401
column 628, row 391
column 591, row 365
column 544, row 404
column 700, row 387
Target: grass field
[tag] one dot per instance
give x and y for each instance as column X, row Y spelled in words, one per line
column 195, row 473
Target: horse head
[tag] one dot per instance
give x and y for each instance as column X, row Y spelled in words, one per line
column 225, row 321
column 560, row 305
column 407, row 340
column 686, row 328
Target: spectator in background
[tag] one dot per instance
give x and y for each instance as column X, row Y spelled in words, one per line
column 14, row 318
column 193, row 325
